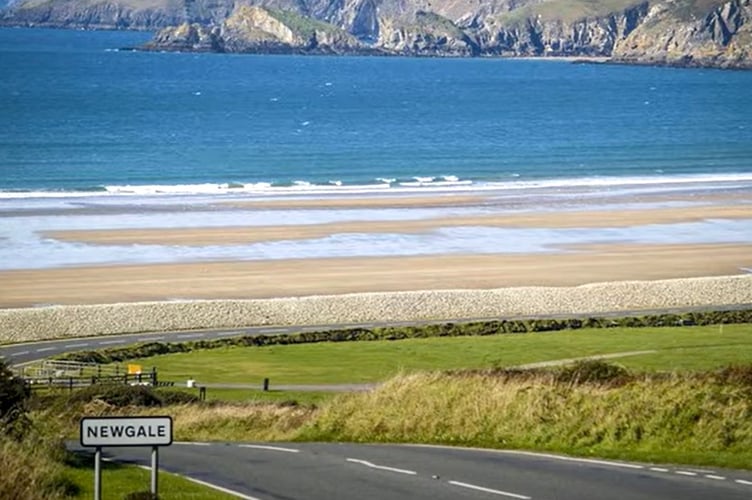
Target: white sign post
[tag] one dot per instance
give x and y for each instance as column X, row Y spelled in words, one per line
column 98, row 432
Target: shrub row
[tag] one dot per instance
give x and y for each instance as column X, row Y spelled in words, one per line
column 493, row 327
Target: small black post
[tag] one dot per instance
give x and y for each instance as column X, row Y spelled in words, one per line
column 202, row 393
column 70, row 384
column 99, row 371
column 154, row 376
column 266, row 384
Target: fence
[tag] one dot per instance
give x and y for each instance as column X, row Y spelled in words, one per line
column 72, row 374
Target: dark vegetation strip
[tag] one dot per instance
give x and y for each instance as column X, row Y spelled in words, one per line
column 478, row 328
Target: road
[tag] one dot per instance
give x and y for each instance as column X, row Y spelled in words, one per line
column 18, row 354
column 330, row 471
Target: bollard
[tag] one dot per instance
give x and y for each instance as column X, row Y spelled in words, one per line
column 266, row 384
column 202, row 393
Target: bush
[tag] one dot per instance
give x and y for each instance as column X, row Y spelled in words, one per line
column 593, row 372
column 13, row 397
column 127, row 395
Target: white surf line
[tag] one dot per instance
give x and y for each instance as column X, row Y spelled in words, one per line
column 742, row 481
column 381, row 467
column 208, row 485
column 269, row 448
column 489, row 490
column 70, row 346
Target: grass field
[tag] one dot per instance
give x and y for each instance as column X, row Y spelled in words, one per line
column 120, row 480
column 679, row 348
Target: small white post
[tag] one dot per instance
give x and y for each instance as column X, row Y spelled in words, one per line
column 98, row 473
column 154, row 469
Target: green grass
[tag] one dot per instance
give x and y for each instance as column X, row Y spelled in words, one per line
column 690, row 348
column 119, row 480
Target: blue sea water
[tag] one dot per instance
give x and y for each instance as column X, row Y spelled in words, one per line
column 85, row 123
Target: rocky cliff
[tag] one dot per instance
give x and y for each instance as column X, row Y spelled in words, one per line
column 259, row 30
column 721, row 37
column 682, row 32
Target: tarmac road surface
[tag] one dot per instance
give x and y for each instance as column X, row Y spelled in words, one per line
column 331, row 471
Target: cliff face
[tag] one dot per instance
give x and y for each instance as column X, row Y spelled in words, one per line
column 722, row 37
column 682, row 32
column 260, row 30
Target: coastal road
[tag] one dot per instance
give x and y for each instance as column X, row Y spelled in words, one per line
column 18, row 354
column 330, row 471
column 21, row 353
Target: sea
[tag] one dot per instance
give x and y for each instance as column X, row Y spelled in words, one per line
column 98, row 136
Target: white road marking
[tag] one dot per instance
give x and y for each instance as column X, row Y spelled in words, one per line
column 70, row 346
column 489, row 490
column 204, row 483
column 658, row 469
column 270, row 448
column 21, row 353
column 190, row 335
column 107, row 342
column 45, row 349
column 713, row 476
column 219, row 488
column 155, row 338
column 742, row 481
column 539, row 455
column 273, row 330
column 381, row 467
column 685, row 473
column 192, row 443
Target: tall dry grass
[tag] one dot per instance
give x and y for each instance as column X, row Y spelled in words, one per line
column 667, row 417
column 32, row 469
column 684, row 418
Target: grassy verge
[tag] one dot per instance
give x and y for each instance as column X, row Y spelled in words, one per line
column 120, row 480
column 588, row 409
column 685, row 348
column 679, row 419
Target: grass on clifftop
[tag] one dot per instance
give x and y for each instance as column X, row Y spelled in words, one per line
column 567, row 11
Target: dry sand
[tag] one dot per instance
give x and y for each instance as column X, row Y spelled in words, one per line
column 303, row 277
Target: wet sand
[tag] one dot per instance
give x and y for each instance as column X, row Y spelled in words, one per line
column 252, row 234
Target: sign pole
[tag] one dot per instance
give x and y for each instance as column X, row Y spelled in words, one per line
column 154, row 469
column 98, row 473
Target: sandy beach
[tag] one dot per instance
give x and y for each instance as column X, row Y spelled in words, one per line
column 304, row 277
column 574, row 279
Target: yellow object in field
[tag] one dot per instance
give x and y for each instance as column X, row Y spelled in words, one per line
column 134, row 369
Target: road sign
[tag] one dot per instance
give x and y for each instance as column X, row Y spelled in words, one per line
column 126, row 431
